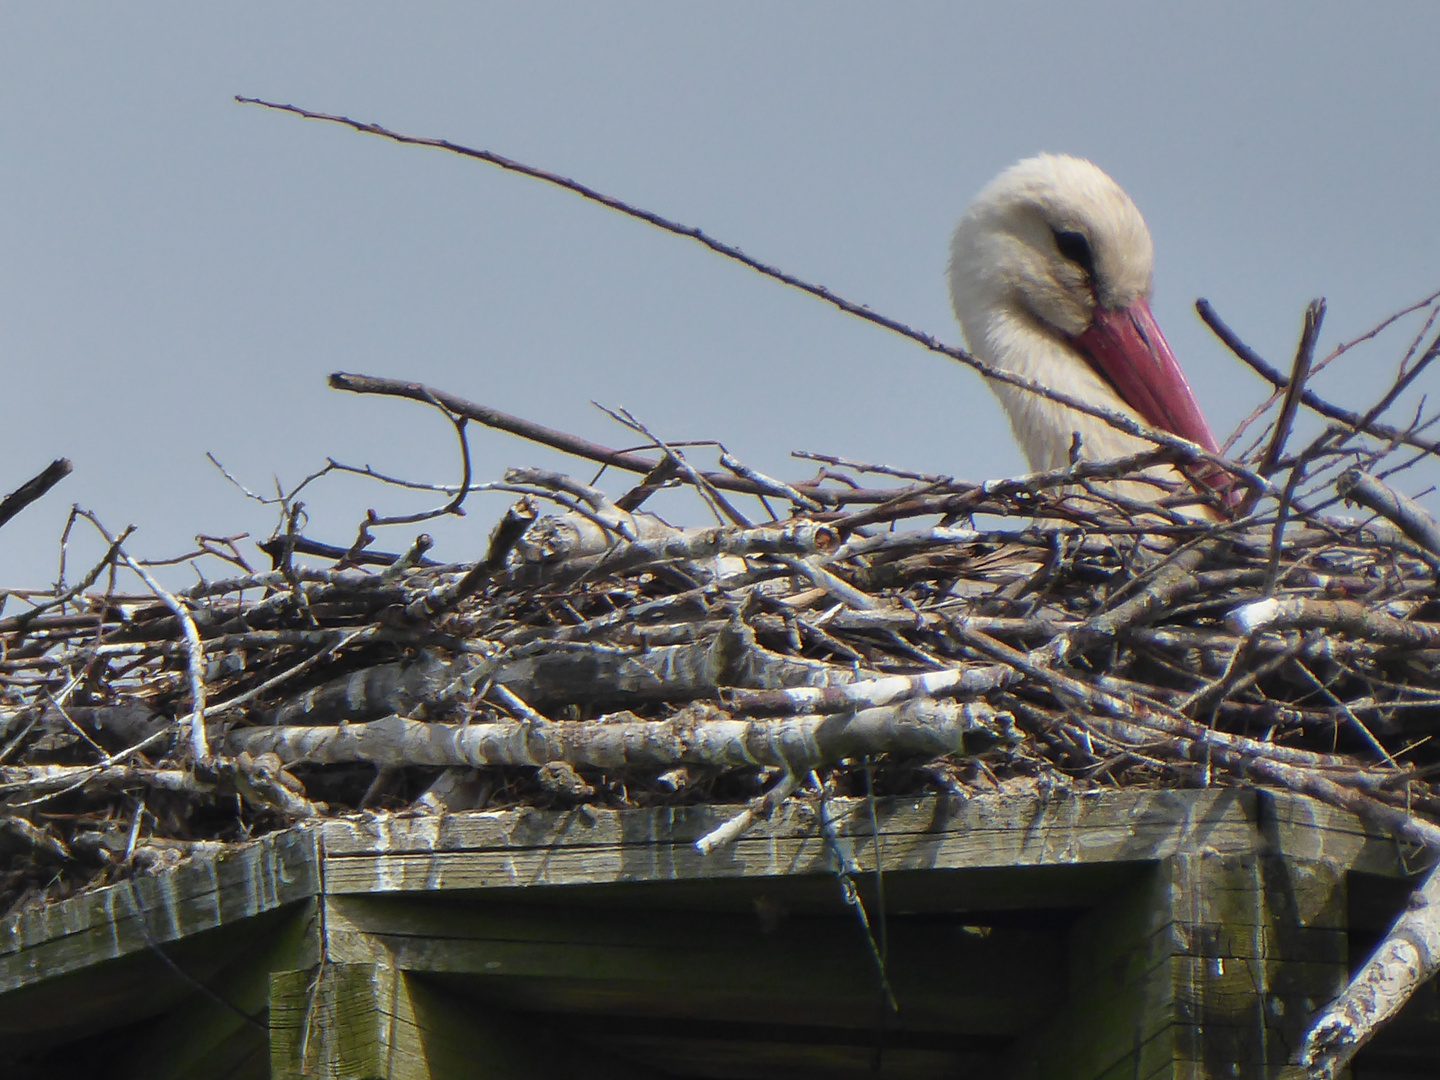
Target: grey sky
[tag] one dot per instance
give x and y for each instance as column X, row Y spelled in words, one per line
column 178, row 273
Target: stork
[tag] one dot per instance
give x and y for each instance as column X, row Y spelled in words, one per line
column 1050, row 277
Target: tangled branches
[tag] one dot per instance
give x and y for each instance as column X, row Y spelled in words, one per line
column 600, row 654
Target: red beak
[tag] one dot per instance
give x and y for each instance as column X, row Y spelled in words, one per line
column 1127, row 350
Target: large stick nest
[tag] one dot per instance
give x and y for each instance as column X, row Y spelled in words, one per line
column 881, row 638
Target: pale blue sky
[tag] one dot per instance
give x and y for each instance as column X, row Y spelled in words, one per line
column 179, row 273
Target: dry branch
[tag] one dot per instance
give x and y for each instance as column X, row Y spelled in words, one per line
column 33, row 489
column 701, row 735
column 1358, row 486
column 1312, row 400
column 1186, row 450
column 1366, row 621
column 1408, row 957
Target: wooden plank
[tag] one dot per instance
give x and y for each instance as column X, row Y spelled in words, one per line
column 949, row 974
column 759, row 1056
column 1192, row 812
column 654, row 845
column 134, row 988
column 326, row 1022
column 1261, row 945
column 1312, row 831
column 1168, row 1067
column 1118, row 996
column 197, row 895
column 1229, row 926
column 486, row 851
column 375, row 1022
column 988, row 889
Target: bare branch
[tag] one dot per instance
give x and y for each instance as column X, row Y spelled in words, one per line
column 1311, row 400
column 1355, row 485
column 1188, row 451
column 1299, row 372
column 33, row 489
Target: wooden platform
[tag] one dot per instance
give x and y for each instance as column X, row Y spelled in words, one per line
column 1127, row 935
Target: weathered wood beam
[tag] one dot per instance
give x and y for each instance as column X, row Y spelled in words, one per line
column 794, row 1053
column 366, row 1022
column 1209, row 967
column 528, row 848
column 523, row 847
column 210, row 890
column 951, row 975
column 48, row 1015
column 376, row 1022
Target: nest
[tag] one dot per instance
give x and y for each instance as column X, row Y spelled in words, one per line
column 888, row 637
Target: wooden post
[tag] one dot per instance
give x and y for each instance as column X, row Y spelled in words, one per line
column 222, row 1033
column 367, row 1021
column 1205, row 968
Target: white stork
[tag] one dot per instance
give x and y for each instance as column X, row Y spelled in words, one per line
column 1050, row 277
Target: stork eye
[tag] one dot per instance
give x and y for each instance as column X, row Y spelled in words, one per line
column 1076, row 248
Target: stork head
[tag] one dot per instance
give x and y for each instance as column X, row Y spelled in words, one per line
column 1050, row 275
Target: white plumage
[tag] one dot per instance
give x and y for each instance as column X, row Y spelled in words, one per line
column 1050, row 277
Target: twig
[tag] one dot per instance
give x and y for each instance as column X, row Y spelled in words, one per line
column 1355, row 485
column 454, row 506
column 846, row 871
column 25, row 618
column 194, row 651
column 821, row 578
column 1311, row 400
column 775, row 487
column 274, row 547
column 1299, row 372
column 866, row 467
column 503, row 538
column 289, row 673
column 731, row 830
column 570, row 444
column 1190, row 452
column 606, row 514
column 708, row 491
column 411, row 560
column 33, row 488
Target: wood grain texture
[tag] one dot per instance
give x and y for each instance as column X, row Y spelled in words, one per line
column 202, row 893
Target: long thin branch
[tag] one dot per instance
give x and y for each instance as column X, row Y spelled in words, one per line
column 1299, row 372
column 574, row 444
column 194, row 657
column 1191, row 452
